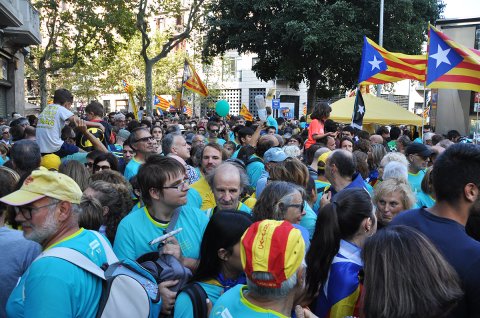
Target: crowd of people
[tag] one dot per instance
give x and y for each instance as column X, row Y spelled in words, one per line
column 274, row 218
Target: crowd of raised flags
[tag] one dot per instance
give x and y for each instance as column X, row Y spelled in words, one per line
column 447, row 64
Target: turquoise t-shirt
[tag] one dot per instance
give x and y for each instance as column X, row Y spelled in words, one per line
column 272, row 122
column 138, row 228
column 309, row 220
column 369, row 188
column 194, row 199
column 254, row 171
column 234, row 304
column 183, row 304
column 423, row 200
column 220, row 141
column 241, row 207
column 78, row 156
column 2, row 161
column 415, row 180
column 320, row 186
column 132, row 168
column 52, row 287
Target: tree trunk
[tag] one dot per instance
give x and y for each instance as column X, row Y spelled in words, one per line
column 148, row 86
column 42, row 83
column 312, row 93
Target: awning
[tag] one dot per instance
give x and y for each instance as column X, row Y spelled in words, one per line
column 377, row 111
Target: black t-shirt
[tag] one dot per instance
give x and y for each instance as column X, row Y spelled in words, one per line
column 459, row 249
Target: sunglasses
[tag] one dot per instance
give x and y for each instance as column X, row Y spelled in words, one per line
column 298, row 206
column 88, row 164
column 99, row 168
column 146, row 139
column 213, row 130
column 26, row 211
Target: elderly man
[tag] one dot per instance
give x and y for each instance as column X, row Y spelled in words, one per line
column 200, row 194
column 175, row 144
column 47, row 208
column 227, row 183
column 272, row 255
column 340, row 172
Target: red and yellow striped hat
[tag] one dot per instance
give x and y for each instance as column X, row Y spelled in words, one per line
column 272, row 246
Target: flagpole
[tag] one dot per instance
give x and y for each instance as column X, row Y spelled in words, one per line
column 380, row 41
column 423, row 109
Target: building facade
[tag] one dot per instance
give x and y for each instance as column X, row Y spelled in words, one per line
column 19, row 28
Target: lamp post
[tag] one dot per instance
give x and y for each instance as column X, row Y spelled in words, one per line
column 380, row 40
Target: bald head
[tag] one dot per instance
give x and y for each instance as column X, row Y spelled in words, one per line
column 227, row 182
column 266, row 142
column 376, row 139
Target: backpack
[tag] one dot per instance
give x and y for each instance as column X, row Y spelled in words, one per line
column 129, row 290
column 165, row 267
column 198, row 296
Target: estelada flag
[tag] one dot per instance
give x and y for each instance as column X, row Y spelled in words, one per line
column 245, row 113
column 161, row 102
column 380, row 66
column 192, row 81
column 450, row 64
column 358, row 111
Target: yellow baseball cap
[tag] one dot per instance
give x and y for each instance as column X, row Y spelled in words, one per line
column 323, row 158
column 44, row 183
column 272, row 246
column 51, row 161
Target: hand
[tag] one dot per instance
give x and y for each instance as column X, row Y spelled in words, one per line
column 168, row 296
column 326, row 197
column 303, row 312
column 172, row 247
column 81, row 125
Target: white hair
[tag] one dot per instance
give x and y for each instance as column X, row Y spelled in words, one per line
column 395, row 169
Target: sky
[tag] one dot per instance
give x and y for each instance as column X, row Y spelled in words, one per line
column 461, row 9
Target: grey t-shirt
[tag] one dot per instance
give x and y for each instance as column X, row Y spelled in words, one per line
column 16, row 255
column 49, row 127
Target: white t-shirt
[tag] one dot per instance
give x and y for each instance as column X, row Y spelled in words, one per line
column 49, row 127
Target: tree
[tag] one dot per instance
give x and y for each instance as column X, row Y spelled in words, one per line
column 77, row 31
column 316, row 41
column 175, row 36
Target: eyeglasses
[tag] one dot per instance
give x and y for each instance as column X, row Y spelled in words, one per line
column 424, row 158
column 99, row 168
column 145, row 139
column 213, row 130
column 26, row 211
column 178, row 186
column 298, row 206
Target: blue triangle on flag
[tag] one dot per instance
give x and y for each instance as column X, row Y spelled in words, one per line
column 156, row 100
column 441, row 57
column 372, row 62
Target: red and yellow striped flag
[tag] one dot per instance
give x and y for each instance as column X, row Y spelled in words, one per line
column 192, row 81
column 161, row 103
column 450, row 64
column 188, row 110
column 380, row 66
column 245, row 113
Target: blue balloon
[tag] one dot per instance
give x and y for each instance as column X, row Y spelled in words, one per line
column 222, row 107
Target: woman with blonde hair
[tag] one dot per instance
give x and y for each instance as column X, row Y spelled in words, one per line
column 390, row 198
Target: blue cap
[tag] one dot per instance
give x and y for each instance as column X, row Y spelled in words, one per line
column 274, row 154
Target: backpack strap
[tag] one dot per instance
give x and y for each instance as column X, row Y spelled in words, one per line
column 74, row 257
column 173, row 220
column 198, row 296
column 111, row 257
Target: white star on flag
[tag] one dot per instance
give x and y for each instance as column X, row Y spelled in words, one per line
column 361, row 109
column 441, row 56
column 375, row 63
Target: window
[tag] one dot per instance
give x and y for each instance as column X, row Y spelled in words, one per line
column 229, row 69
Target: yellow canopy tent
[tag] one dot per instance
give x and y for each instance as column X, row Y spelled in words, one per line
column 377, row 111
